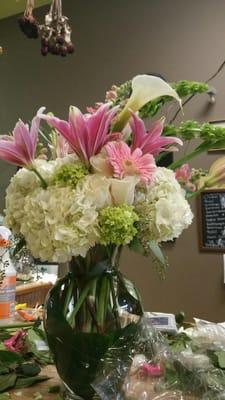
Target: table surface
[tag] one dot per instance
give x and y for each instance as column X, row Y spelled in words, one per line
column 42, row 388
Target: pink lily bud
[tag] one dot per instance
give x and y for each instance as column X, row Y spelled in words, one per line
column 183, row 173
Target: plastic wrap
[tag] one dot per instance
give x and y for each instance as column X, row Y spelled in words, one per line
column 144, row 365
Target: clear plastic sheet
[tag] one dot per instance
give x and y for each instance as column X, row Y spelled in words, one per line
column 143, row 366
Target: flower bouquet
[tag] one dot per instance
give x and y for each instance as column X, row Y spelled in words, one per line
column 96, row 188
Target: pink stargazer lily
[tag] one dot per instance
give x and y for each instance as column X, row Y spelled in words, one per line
column 86, row 133
column 151, row 141
column 19, row 148
column 127, row 163
column 183, row 174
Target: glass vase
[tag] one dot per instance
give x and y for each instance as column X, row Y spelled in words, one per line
column 86, row 312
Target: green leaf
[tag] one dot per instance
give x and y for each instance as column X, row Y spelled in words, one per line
column 5, row 396
column 160, row 261
column 7, row 381
column 28, row 369
column 7, row 358
column 54, row 389
column 221, row 358
column 26, row 382
column 43, row 357
column 4, row 370
column 180, row 318
column 136, row 246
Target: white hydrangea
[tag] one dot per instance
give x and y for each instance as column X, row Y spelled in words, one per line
column 96, row 188
column 22, row 184
column 164, row 211
column 60, row 223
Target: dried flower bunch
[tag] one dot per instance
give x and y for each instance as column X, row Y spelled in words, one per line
column 55, row 33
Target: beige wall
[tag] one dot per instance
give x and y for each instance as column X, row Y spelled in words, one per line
column 114, row 41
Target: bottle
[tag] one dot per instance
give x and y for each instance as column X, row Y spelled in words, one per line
column 7, row 286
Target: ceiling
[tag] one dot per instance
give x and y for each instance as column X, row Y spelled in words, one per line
column 11, row 7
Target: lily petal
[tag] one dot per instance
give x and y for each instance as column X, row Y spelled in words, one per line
column 148, row 87
column 19, row 148
column 145, row 88
column 150, row 141
column 86, row 133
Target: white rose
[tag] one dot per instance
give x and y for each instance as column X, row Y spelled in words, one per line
column 122, row 190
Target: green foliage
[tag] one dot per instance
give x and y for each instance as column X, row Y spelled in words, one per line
column 54, row 389
column 179, row 342
column 160, row 262
column 7, row 381
column 187, row 88
column 183, row 88
column 180, row 318
column 211, row 137
column 19, row 371
column 117, row 224
column 123, row 92
column 69, row 174
column 29, row 381
column 189, row 130
column 8, row 359
column 152, row 249
column 5, row 396
column 152, row 108
column 43, row 357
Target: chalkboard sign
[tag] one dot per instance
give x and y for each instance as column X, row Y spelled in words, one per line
column 212, row 221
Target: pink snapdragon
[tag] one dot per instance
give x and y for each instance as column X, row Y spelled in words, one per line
column 150, row 141
column 125, row 162
column 86, row 133
column 19, row 148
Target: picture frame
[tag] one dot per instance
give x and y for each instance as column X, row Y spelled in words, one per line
column 211, row 218
column 219, row 123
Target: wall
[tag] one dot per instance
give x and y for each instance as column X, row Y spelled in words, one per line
column 114, row 41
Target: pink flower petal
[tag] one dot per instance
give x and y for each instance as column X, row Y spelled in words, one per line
column 19, row 149
column 78, row 133
column 125, row 163
column 150, row 141
column 86, row 133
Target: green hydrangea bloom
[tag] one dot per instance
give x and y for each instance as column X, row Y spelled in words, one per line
column 117, row 224
column 69, row 174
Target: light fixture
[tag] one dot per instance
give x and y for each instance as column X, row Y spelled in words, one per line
column 55, row 33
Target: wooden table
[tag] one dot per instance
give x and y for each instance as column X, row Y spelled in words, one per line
column 42, row 388
column 32, row 293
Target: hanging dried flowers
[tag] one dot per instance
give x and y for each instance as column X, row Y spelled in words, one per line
column 55, row 33
column 28, row 24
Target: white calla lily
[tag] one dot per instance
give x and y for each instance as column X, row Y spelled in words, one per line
column 145, row 88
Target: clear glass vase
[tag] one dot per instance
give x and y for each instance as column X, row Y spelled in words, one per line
column 86, row 312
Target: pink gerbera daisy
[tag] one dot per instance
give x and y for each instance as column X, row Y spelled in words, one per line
column 124, row 162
